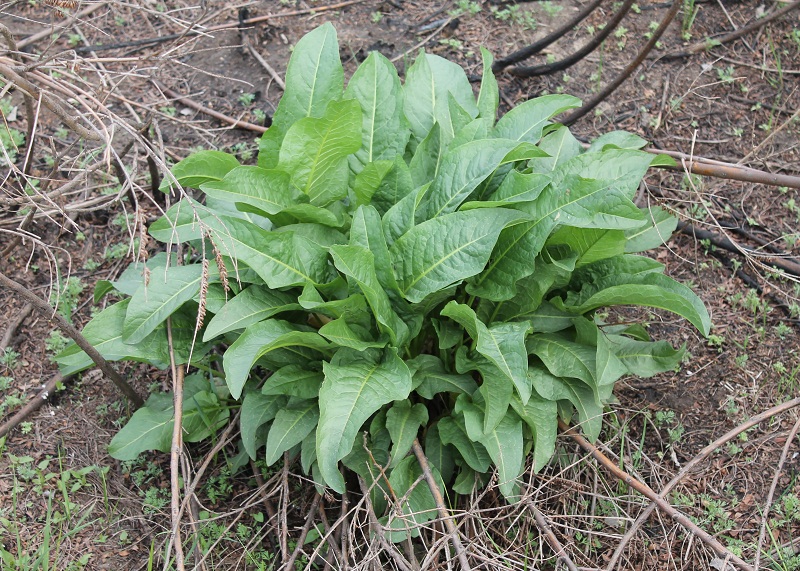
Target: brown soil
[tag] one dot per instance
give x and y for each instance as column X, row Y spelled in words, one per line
column 733, row 101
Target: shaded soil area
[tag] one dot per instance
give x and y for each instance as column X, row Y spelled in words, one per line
column 734, row 102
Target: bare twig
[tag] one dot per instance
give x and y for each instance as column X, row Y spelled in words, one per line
column 593, row 44
column 768, row 505
column 711, row 42
column 47, row 32
column 47, row 311
column 550, row 537
column 34, row 404
column 216, row 114
column 691, row 464
column 14, row 325
column 729, row 171
column 629, row 69
column 648, row 492
column 556, row 34
column 175, row 452
column 323, row 516
column 379, row 531
column 283, row 520
column 440, row 505
column 423, row 42
column 303, row 533
column 265, row 64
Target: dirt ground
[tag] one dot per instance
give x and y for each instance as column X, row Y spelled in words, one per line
column 735, row 102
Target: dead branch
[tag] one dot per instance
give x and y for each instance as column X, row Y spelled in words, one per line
column 631, row 67
column 452, row 530
column 33, row 91
column 216, row 114
column 550, row 537
column 379, row 531
column 175, row 451
column 14, row 325
column 691, row 464
column 303, row 533
column 729, row 171
column 648, row 492
column 53, row 316
column 536, row 47
column 34, row 404
column 782, row 263
column 574, row 58
column 768, row 504
column 227, row 26
column 711, row 42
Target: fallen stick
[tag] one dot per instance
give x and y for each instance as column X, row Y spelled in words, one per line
column 648, row 492
column 216, row 114
column 303, row 533
column 34, row 404
column 550, row 537
column 14, row 325
column 729, row 171
column 711, row 42
column 536, row 47
column 440, row 505
column 690, row 465
column 572, row 59
column 379, row 531
column 47, row 311
column 631, row 67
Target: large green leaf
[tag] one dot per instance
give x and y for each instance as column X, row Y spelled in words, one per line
column 453, row 431
column 290, row 427
column 656, row 230
column 489, row 95
column 424, row 165
column 526, row 121
column 315, row 151
column 430, row 378
column 104, row 332
column 366, row 231
column 358, row 263
column 446, row 250
column 314, row 78
column 541, row 416
column 503, row 344
column 403, row 421
column 257, row 410
column 180, row 222
column 645, row 358
column 649, row 289
column 251, row 305
column 356, row 385
column 383, row 184
column 428, row 82
column 200, row 167
column 346, row 335
column 561, row 145
column 262, row 338
column 376, row 87
column 266, row 190
column 504, row 444
column 281, row 259
column 153, row 303
column 590, row 244
column 553, row 388
column 461, row 171
column 439, row 454
column 150, row 428
column 294, row 381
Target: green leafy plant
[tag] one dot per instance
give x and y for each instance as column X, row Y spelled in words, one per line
column 400, row 265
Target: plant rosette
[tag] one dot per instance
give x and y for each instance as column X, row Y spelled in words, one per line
column 399, row 265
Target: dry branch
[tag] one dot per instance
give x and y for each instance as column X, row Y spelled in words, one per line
column 34, row 404
column 379, row 531
column 47, row 311
column 648, row 492
column 303, row 533
column 574, row 58
column 536, row 47
column 216, row 114
column 442, row 508
column 691, row 464
column 711, row 42
column 14, row 325
column 631, row 67
column 550, row 537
